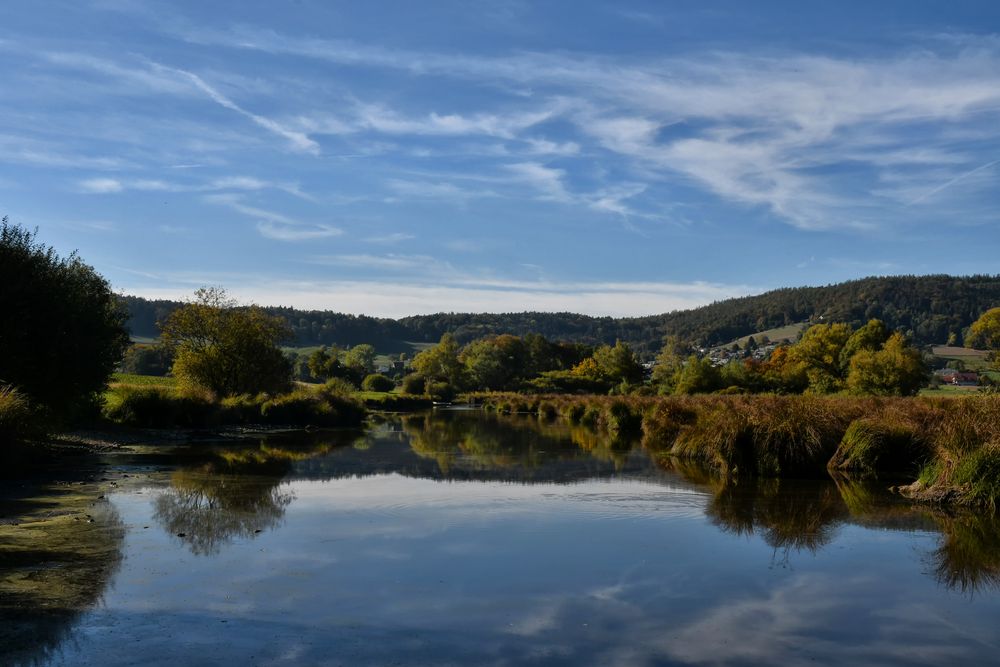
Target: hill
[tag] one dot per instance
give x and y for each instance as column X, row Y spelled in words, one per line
column 932, row 309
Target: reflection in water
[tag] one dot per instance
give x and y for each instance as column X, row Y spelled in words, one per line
column 209, row 508
column 577, row 498
column 55, row 563
column 789, row 514
column 968, row 559
column 238, row 494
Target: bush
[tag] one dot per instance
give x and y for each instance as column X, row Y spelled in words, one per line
column 414, row 383
column 305, row 407
column 377, row 382
column 63, row 330
column 440, row 391
column 339, row 387
column 161, row 407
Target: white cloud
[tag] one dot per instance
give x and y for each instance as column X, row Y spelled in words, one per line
column 273, row 225
column 769, row 131
column 298, row 140
column 100, row 186
column 440, row 292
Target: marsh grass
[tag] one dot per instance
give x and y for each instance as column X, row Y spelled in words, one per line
column 175, row 406
column 19, row 420
column 953, row 443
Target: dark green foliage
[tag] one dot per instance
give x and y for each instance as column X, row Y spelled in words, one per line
column 414, row 383
column 929, row 308
column 144, row 359
column 311, row 408
column 377, row 382
column 161, row 407
column 397, row 402
column 63, row 330
column 440, row 391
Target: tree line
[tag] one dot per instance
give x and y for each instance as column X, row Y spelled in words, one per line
column 935, row 309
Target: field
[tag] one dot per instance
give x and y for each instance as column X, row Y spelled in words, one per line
column 788, row 332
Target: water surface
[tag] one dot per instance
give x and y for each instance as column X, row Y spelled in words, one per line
column 470, row 539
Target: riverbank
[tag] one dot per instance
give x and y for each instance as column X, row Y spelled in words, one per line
column 947, row 451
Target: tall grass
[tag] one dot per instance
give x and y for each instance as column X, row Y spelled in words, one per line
column 18, row 418
column 166, row 406
column 953, row 443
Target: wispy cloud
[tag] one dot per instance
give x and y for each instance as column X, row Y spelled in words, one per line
column 276, row 226
column 101, row 185
column 754, row 130
column 395, row 237
column 223, row 184
column 299, row 141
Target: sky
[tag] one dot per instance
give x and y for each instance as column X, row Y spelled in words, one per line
column 397, row 158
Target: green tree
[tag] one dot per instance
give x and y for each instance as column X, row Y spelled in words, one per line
column 898, row 369
column 227, row 348
column 698, row 376
column 497, row 362
column 618, row 363
column 361, row 357
column 984, row 334
column 63, row 330
column 441, row 363
column 820, row 351
column 871, row 337
column 669, row 363
column 377, row 382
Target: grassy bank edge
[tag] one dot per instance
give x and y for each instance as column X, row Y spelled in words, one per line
column 947, row 449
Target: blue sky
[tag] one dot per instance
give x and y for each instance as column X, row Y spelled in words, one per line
column 388, row 158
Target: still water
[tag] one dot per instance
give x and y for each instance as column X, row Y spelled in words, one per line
column 459, row 538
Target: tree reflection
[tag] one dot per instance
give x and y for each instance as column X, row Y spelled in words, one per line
column 54, row 564
column 789, row 514
column 520, row 446
column 238, row 494
column 968, row 558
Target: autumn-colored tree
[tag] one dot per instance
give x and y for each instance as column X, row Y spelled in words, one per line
column 820, row 351
column 897, row 369
column 227, row 348
column 984, row 334
column 872, row 336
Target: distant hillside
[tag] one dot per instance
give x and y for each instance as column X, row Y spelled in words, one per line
column 930, row 308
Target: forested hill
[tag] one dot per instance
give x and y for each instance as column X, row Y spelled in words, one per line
column 930, row 308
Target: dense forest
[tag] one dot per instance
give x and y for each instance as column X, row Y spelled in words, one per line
column 930, row 309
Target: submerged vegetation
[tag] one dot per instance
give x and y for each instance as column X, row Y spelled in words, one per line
column 949, row 448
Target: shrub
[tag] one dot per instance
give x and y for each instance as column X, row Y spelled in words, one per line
column 305, row 407
column 377, row 382
column 339, row 387
column 414, row 383
column 18, row 419
column 62, row 331
column 441, row 391
column 979, row 475
column 160, row 407
column 877, row 444
column 620, row 419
